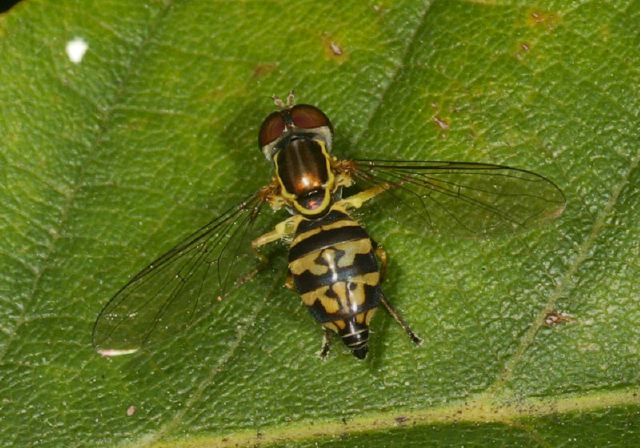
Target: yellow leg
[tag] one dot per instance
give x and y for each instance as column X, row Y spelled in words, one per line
column 284, row 229
column 383, row 258
column 288, row 283
column 358, row 199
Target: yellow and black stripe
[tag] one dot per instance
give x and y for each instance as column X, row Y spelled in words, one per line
column 334, row 268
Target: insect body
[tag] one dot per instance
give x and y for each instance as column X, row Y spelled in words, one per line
column 332, row 259
column 334, row 265
column 335, row 271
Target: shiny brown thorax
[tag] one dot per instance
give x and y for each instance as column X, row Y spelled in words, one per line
column 298, row 141
column 303, row 169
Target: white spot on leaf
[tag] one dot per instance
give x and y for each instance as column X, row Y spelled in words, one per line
column 110, row 352
column 76, row 48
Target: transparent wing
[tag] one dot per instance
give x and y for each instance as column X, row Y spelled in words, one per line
column 181, row 286
column 470, row 199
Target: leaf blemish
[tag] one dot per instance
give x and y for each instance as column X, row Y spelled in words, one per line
column 263, row 69
column 333, row 49
column 556, row 317
column 76, row 49
column 523, row 48
column 544, row 18
column 401, row 419
column 442, row 123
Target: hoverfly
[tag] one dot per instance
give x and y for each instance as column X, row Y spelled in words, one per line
column 334, row 265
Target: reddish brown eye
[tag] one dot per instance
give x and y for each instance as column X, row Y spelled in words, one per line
column 272, row 128
column 308, row 117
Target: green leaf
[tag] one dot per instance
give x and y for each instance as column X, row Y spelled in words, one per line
column 105, row 163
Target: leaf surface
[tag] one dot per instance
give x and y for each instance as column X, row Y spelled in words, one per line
column 106, row 163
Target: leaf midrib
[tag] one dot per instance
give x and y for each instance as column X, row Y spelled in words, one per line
column 479, row 410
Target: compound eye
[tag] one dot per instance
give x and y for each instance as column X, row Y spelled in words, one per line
column 308, row 117
column 271, row 129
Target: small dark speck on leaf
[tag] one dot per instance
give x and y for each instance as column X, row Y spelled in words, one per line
column 556, row 317
column 544, row 18
column 401, row 419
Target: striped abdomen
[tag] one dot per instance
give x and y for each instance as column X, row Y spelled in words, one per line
column 335, row 271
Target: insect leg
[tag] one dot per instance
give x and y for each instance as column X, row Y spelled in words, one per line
column 358, row 199
column 283, row 229
column 398, row 318
column 288, row 282
column 383, row 258
column 326, row 344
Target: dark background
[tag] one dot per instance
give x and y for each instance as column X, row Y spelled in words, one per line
column 5, row 5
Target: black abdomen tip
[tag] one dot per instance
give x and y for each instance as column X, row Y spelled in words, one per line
column 361, row 352
column 356, row 336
